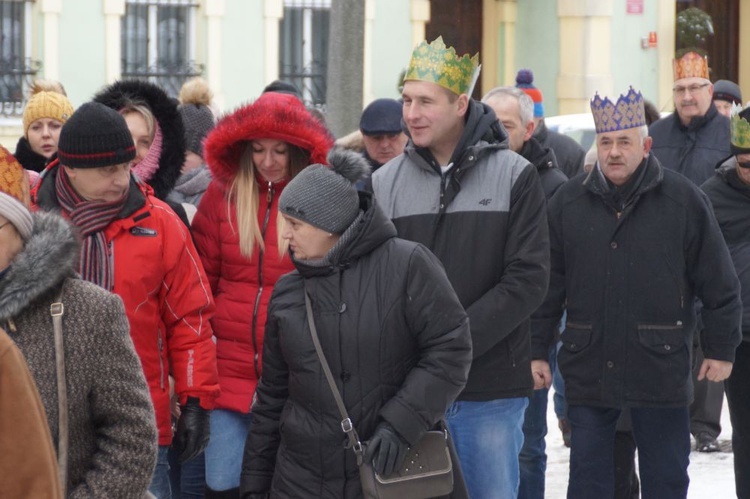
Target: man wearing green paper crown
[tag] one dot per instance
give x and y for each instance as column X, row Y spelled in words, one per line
column 729, row 192
column 460, row 190
column 632, row 245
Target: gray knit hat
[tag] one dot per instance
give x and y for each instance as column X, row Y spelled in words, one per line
column 198, row 121
column 325, row 196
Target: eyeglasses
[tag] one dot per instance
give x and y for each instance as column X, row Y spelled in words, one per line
column 691, row 89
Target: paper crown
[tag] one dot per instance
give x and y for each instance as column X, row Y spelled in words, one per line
column 739, row 129
column 439, row 64
column 690, row 65
column 626, row 113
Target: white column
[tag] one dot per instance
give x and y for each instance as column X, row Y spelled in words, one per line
column 215, row 11
column 51, row 55
column 113, row 12
column 367, row 95
column 420, row 15
column 585, row 53
column 272, row 13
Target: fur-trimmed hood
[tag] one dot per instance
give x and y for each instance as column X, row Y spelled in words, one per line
column 48, row 257
column 165, row 111
column 271, row 116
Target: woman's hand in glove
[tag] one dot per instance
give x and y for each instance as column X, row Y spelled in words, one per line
column 386, row 449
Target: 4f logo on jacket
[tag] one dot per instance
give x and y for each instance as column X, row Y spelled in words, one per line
column 485, row 201
column 143, row 232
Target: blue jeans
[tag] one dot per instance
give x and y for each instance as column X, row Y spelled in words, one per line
column 160, row 486
column 560, row 404
column 229, row 431
column 532, row 460
column 488, row 436
column 662, row 437
column 188, row 480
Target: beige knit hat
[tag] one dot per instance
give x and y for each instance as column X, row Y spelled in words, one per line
column 46, row 101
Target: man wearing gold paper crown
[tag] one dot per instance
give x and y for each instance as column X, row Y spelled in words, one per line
column 696, row 136
column 632, row 245
column 692, row 141
column 458, row 189
column 729, row 192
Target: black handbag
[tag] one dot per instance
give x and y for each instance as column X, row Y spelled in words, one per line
column 427, row 470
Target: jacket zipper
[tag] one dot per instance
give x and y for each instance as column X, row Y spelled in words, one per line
column 661, row 327
column 161, row 359
column 256, row 356
column 578, row 325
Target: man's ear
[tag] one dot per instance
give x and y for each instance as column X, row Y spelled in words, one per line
column 70, row 171
column 463, row 104
column 530, row 127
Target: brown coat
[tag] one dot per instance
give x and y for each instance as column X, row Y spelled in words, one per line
column 26, row 452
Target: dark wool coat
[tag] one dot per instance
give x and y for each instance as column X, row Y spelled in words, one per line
column 730, row 198
column 396, row 339
column 486, row 222
column 112, row 429
column 545, row 161
column 628, row 281
column 569, row 153
column 693, row 150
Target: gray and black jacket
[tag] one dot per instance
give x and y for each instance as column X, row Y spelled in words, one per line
column 486, row 222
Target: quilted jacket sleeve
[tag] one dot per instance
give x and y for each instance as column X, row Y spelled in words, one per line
column 206, row 232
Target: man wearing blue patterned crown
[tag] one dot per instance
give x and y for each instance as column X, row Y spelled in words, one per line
column 459, row 190
column 632, row 245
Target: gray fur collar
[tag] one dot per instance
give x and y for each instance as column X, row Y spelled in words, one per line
column 48, row 257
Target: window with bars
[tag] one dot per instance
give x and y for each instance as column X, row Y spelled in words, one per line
column 304, row 48
column 17, row 69
column 158, row 42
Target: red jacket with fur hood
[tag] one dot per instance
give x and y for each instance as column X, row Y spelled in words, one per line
column 242, row 286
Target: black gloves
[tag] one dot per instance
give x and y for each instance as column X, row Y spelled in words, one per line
column 193, row 430
column 386, row 449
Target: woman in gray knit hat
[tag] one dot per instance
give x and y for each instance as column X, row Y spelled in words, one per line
column 390, row 325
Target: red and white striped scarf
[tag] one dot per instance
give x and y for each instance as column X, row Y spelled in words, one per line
column 91, row 218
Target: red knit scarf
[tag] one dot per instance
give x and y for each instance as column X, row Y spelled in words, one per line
column 91, row 218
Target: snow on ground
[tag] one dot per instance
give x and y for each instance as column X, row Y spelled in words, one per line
column 711, row 475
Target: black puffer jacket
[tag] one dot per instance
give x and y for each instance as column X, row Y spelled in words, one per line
column 397, row 341
column 693, row 150
column 569, row 153
column 730, row 198
column 628, row 281
column 545, row 161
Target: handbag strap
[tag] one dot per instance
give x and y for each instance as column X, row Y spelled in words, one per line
column 346, row 423
column 57, row 310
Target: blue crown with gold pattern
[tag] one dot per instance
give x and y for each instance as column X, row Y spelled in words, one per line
column 626, row 113
column 439, row 64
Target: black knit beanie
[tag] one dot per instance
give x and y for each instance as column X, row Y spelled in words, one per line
column 325, row 196
column 95, row 136
column 198, row 121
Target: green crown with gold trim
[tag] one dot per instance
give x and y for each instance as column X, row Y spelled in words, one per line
column 739, row 128
column 439, row 64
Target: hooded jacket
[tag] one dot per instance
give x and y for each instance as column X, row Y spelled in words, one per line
column 628, row 280
column 692, row 150
column 486, row 222
column 730, row 198
column 397, row 342
column 545, row 161
column 111, row 420
column 569, row 153
column 161, row 281
column 242, row 286
column 164, row 108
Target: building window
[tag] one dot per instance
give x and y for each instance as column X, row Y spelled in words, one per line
column 304, row 48
column 158, row 42
column 17, row 69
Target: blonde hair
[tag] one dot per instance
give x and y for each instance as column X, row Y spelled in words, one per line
column 145, row 112
column 244, row 193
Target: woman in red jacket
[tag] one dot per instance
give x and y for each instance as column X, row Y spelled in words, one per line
column 252, row 154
